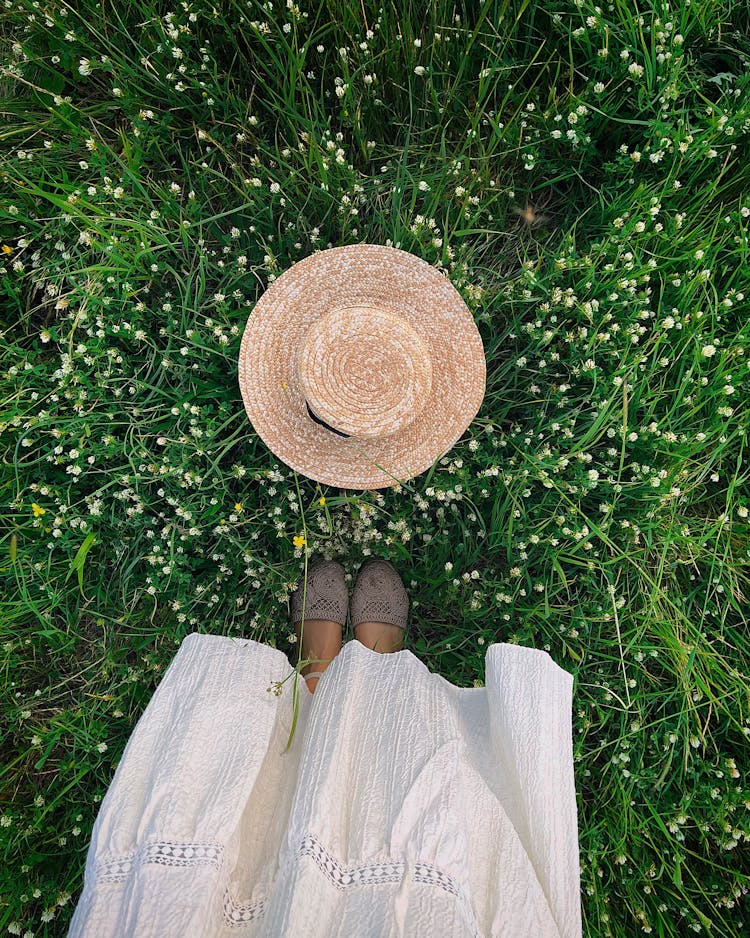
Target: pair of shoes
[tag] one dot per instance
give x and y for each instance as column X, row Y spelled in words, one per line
column 379, row 594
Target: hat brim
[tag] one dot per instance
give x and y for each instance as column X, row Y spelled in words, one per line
column 351, row 276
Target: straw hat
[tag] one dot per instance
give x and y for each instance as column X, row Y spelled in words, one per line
column 360, row 366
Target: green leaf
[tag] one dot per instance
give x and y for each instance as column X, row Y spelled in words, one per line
column 559, row 570
column 50, row 746
column 80, row 558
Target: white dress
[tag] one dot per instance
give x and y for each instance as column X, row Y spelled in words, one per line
column 405, row 806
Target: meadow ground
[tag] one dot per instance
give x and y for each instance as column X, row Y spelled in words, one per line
column 581, row 174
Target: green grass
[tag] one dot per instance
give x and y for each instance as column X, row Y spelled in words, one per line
column 596, row 508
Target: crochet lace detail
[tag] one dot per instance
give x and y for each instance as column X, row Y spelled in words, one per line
column 170, row 853
column 327, row 596
column 386, row 871
column 379, row 610
column 166, row 853
column 379, row 595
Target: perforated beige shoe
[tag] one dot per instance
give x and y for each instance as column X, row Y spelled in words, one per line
column 327, row 594
column 379, row 595
column 326, row 606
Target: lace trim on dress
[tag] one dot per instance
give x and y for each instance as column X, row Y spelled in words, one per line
column 166, row 853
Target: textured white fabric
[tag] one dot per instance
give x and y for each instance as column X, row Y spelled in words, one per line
column 405, row 806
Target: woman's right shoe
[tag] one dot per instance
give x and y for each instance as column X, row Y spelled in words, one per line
column 379, row 595
column 327, row 595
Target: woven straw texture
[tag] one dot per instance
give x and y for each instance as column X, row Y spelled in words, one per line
column 381, row 346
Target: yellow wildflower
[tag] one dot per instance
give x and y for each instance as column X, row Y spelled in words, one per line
column 300, row 541
column 237, row 506
column 322, row 501
column 38, row 510
column 7, row 249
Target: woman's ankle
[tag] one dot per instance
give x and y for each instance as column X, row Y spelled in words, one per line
column 380, row 636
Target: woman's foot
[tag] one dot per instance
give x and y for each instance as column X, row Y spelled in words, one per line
column 321, row 641
column 379, row 606
column 319, row 611
column 380, row 636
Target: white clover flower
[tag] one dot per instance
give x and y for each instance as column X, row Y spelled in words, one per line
column 420, row 70
column 84, row 67
column 708, row 351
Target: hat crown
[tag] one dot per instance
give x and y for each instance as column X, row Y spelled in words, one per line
column 365, row 371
